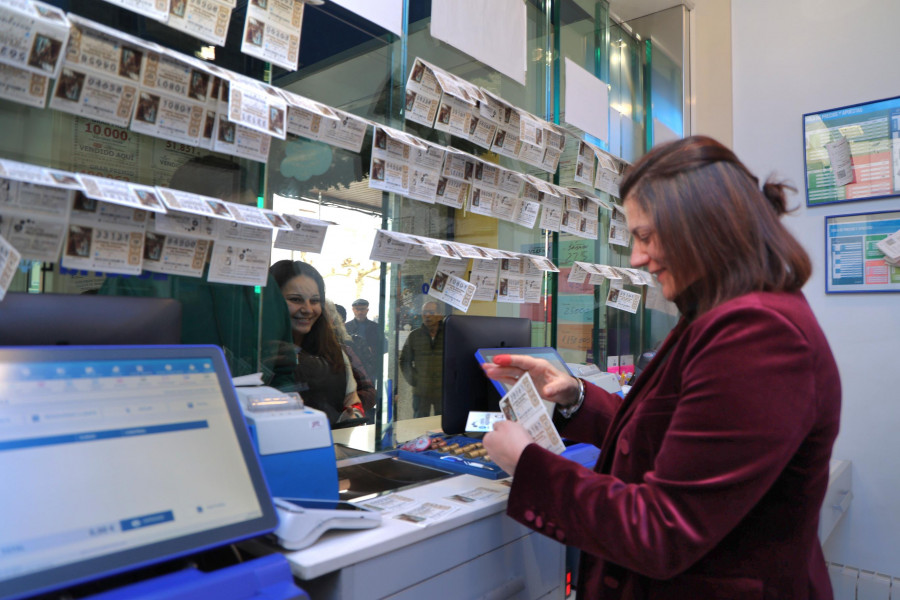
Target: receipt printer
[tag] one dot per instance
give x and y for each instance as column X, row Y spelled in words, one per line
column 293, row 442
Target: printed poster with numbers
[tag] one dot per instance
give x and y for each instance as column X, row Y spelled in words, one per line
column 104, row 150
column 856, row 263
column 853, row 153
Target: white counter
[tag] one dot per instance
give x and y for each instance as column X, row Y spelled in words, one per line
column 476, row 551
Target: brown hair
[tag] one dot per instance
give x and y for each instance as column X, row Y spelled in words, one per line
column 321, row 339
column 714, row 224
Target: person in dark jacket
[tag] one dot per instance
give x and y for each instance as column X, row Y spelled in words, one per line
column 714, row 466
column 422, row 361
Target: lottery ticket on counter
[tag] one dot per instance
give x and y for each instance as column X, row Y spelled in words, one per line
column 452, row 290
column 306, row 235
column 33, row 37
column 23, row 87
column 426, row 513
column 104, row 237
column 623, row 300
column 174, row 254
column 257, row 107
column 479, row 493
column 524, row 405
column 9, row 262
column 389, row 503
column 203, row 19
column 272, row 31
column 241, row 263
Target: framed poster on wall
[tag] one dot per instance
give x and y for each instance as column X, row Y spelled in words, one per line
column 853, row 153
column 855, row 263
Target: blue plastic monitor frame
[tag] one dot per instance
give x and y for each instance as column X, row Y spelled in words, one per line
column 486, row 355
column 197, row 409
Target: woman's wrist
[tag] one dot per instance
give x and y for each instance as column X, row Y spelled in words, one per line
column 569, row 410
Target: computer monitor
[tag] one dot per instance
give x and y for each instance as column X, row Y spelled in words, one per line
column 465, row 387
column 118, row 457
column 87, row 320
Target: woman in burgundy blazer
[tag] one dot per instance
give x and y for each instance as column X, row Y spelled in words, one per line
column 714, row 466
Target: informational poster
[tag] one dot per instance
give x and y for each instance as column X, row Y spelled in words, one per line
column 855, row 246
column 853, row 153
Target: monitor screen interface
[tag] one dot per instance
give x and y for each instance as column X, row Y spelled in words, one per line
column 464, row 384
column 118, row 457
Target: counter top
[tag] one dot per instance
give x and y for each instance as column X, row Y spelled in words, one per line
column 338, row 549
column 362, row 437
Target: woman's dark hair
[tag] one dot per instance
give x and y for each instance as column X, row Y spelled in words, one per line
column 714, row 224
column 321, row 340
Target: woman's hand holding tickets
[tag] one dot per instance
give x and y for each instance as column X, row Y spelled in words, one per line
column 552, row 385
column 506, row 443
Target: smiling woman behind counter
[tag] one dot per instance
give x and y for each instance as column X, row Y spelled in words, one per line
column 323, row 375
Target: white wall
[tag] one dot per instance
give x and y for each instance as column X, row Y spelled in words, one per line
column 711, row 94
column 790, row 58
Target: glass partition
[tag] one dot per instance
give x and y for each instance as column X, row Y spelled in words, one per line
column 350, row 64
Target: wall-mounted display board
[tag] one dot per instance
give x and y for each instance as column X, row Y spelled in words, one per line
column 853, row 153
column 855, row 247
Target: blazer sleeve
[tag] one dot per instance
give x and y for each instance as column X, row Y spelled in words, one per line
column 590, row 422
column 745, row 404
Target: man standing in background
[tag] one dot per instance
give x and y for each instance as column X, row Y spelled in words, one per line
column 422, row 361
column 372, row 333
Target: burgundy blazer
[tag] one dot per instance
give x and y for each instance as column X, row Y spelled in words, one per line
column 712, row 470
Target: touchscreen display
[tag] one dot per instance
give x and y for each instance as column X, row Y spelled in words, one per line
column 119, row 457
